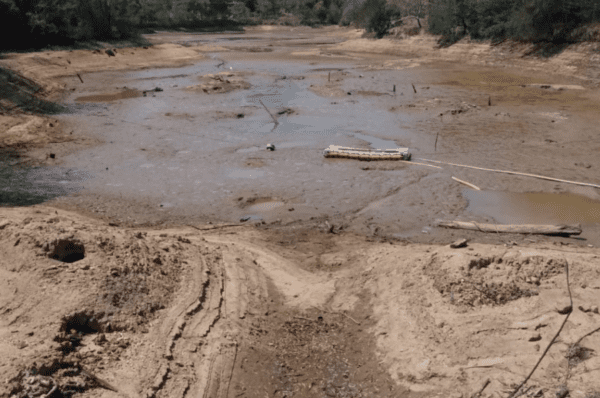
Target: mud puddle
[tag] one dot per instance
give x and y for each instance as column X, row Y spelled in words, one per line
column 194, row 162
column 110, row 97
column 534, row 208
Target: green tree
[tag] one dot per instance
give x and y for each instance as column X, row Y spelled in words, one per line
column 380, row 20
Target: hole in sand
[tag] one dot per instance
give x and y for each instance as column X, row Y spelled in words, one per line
column 67, row 250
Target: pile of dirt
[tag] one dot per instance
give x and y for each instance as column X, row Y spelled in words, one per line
column 219, row 83
column 448, row 319
column 84, row 289
column 492, row 280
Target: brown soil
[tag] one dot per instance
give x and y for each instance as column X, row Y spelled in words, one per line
column 219, row 83
column 94, row 308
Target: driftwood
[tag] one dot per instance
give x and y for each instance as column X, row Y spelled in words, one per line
column 475, row 187
column 585, row 184
column 513, row 228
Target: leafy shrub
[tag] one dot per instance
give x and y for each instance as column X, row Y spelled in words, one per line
column 380, row 20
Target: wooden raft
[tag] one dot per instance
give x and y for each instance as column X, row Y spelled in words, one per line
column 512, row 228
column 335, row 151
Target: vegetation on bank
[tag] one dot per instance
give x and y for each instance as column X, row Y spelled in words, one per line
column 42, row 23
column 552, row 21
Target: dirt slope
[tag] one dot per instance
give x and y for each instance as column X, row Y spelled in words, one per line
column 167, row 312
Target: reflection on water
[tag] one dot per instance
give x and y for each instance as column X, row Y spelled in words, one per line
column 534, row 208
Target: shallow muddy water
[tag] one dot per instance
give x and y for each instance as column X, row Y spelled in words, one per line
column 186, row 150
column 185, row 154
column 534, row 208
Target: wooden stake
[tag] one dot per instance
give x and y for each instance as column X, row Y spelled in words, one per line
column 79, row 76
column 329, row 78
column 394, row 88
column 436, row 138
column 490, row 101
column 414, row 88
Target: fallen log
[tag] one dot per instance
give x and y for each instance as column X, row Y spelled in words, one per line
column 513, row 228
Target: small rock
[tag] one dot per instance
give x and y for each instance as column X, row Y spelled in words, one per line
column 594, row 309
column 110, row 53
column 244, row 219
column 100, row 339
column 270, row 147
column 562, row 392
column 535, row 337
column 564, row 310
column 52, row 156
column 459, row 243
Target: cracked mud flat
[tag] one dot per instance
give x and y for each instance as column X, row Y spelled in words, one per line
column 343, row 301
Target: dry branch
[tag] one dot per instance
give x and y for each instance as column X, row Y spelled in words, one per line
column 352, row 319
column 478, row 393
column 475, row 187
column 102, row 383
column 513, row 228
column 514, row 173
column 514, row 394
column 270, row 114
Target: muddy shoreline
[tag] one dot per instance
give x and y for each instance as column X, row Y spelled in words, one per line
column 185, row 167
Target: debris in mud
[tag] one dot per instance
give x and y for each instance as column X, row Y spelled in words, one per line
column 55, row 378
column 34, row 385
column 219, row 83
column 270, row 147
column 75, row 326
column 577, row 354
column 110, row 52
column 286, row 111
column 156, row 90
column 459, row 243
column 462, row 108
column 66, row 249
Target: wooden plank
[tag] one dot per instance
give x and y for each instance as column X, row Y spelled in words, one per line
column 513, row 228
